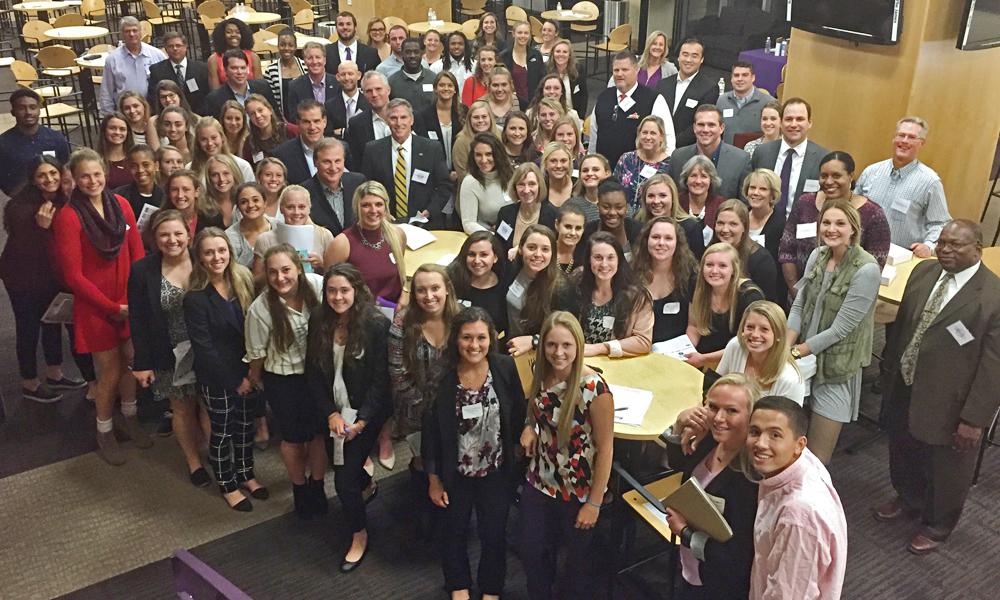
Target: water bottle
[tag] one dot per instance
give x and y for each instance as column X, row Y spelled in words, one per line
column 559, row 6
column 784, row 48
column 722, row 86
column 430, row 15
column 767, row 44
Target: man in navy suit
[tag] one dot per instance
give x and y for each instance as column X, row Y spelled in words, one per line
column 371, row 123
column 238, row 85
column 297, row 153
column 411, row 168
column 349, row 48
column 191, row 75
column 331, row 189
column 316, row 84
column 348, row 102
column 688, row 89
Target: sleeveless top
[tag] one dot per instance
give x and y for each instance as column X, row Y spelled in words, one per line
column 377, row 265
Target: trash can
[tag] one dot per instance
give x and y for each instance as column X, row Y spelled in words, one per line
column 615, row 14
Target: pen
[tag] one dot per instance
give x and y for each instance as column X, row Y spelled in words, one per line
column 622, row 408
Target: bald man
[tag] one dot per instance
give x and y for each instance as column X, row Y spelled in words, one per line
column 342, row 106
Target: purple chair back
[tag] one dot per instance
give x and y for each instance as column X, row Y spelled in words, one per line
column 195, row 580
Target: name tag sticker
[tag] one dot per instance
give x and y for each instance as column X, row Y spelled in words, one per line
column 575, row 174
column 472, row 411
column 805, row 230
column 420, row 176
column 504, row 230
column 960, row 333
column 576, row 89
column 608, row 322
column 691, row 103
column 432, row 134
column 51, row 153
column 516, row 289
column 672, row 308
column 647, row 171
column 192, row 85
column 258, row 156
column 626, row 104
column 758, row 237
column 392, row 258
column 810, row 186
column 428, row 87
column 465, row 303
column 728, row 113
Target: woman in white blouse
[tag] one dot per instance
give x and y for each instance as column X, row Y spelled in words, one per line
column 761, row 351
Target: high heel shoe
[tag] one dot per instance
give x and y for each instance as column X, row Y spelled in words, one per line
column 260, row 493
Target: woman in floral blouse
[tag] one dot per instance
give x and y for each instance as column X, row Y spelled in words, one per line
column 649, row 158
column 568, row 436
column 470, row 439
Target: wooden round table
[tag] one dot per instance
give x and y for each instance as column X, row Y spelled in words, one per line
column 94, row 63
column 442, row 27
column 566, row 16
column 77, row 33
column 675, row 384
column 893, row 293
column 46, row 6
column 255, row 18
column 301, row 40
column 440, row 252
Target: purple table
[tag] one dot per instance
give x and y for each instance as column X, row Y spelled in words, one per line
column 767, row 67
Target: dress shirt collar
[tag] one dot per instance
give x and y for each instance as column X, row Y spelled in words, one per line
column 629, row 93
column 341, row 46
column 904, row 170
column 183, row 64
column 407, row 146
column 800, row 148
column 963, row 276
column 685, row 79
column 793, row 474
column 414, row 76
column 321, row 82
column 355, row 97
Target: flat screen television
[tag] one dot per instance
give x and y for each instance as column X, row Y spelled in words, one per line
column 980, row 25
column 869, row 21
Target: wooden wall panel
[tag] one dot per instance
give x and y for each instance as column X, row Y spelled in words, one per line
column 408, row 10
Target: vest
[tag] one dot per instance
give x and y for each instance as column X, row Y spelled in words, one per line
column 841, row 361
column 616, row 129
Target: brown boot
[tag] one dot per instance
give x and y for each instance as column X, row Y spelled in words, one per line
column 130, row 427
column 108, row 449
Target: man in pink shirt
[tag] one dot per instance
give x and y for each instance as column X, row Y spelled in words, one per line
column 800, row 535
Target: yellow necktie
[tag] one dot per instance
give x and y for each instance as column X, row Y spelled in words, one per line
column 400, row 180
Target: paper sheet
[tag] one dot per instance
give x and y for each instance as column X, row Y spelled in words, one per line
column 60, row 310
column 631, row 404
column 299, row 237
column 898, row 255
column 145, row 215
column 678, row 347
column 417, row 238
column 446, row 259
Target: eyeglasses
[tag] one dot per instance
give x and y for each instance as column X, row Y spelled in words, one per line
column 953, row 245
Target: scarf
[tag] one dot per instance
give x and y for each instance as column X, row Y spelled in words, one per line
column 106, row 233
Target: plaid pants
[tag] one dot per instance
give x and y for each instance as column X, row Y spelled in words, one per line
column 230, row 449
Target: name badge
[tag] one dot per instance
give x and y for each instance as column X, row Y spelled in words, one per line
column 465, row 303
column 51, row 153
column 647, row 171
column 728, row 113
column 192, row 85
column 758, row 237
column 428, row 87
column 672, row 308
column 575, row 174
column 626, row 104
column 576, row 89
column 392, row 258
column 516, row 289
column 805, row 231
column 707, row 234
column 258, row 156
column 472, row 411
column 608, row 322
column 433, row 135
column 504, row 230
column 420, row 176
column 691, row 103
column 810, row 186
column 960, row 333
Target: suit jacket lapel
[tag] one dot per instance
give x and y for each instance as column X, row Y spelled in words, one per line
column 969, row 292
column 221, row 307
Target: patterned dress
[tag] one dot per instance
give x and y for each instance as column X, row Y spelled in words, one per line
column 171, row 302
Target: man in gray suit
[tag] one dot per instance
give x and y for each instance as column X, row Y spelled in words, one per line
column 943, row 360
column 800, row 173
column 731, row 163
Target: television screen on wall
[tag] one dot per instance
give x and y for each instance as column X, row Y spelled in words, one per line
column 868, row 21
column 980, row 25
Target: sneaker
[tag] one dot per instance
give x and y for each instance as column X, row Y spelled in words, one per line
column 108, row 449
column 41, row 394
column 65, row 383
column 166, row 425
column 130, row 427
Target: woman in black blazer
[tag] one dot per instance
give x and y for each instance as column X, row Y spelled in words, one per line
column 156, row 288
column 470, row 442
column 428, row 121
column 527, row 189
column 712, row 569
column 347, row 371
column 219, row 295
column 521, row 56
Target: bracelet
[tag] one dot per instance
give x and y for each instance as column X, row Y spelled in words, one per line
column 597, row 506
column 534, row 341
column 686, row 534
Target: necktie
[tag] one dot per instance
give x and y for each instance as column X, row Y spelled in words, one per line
column 350, row 107
column 400, row 182
column 621, row 97
column 347, row 53
column 786, row 175
column 180, row 76
column 908, row 364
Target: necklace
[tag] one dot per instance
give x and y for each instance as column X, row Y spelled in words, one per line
column 373, row 245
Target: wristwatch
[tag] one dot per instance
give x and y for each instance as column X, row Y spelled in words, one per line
column 795, row 353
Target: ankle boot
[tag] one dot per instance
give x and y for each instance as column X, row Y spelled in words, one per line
column 108, row 449
column 320, row 506
column 300, row 493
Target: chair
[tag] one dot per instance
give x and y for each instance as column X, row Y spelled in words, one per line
column 213, row 9
column 260, row 45
column 277, row 28
column 155, row 17
column 297, row 6
column 515, row 14
column 471, row 8
column 619, row 39
column 147, row 31
column 303, row 20
column 94, row 12
column 33, row 34
column 536, row 29
column 26, row 76
column 58, row 61
column 988, row 439
column 588, row 26
column 469, row 27
column 69, row 20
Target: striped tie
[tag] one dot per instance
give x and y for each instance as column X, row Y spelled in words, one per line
column 400, row 179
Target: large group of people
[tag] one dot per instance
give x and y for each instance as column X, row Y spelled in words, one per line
column 683, row 213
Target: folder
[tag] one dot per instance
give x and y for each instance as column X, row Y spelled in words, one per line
column 700, row 510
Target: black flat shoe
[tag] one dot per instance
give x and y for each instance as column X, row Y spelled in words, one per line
column 200, row 477
column 347, row 566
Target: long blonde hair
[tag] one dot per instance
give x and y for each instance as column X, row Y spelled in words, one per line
column 701, row 304
column 389, row 231
column 198, row 156
column 228, row 162
column 570, row 399
column 240, row 278
column 779, row 354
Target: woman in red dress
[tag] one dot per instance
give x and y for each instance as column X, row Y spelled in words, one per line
column 96, row 240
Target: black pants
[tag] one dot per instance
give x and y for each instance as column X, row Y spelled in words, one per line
column 28, row 309
column 230, row 449
column 548, row 526
column 350, row 478
column 934, row 479
column 490, row 497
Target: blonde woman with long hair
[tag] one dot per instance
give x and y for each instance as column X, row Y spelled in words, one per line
column 654, row 65
column 720, row 299
column 761, row 352
column 222, row 177
column 210, row 139
column 568, row 437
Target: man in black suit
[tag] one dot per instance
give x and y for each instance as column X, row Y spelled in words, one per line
column 237, row 86
column 688, row 89
column 732, row 163
column 411, row 168
column 371, row 123
column 331, row 189
column 801, row 174
column 414, row 82
column 297, row 153
column 316, row 84
column 347, row 102
column 349, row 48
column 191, row 75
